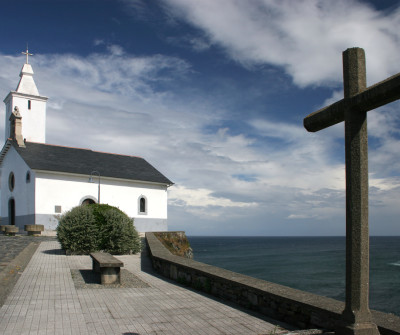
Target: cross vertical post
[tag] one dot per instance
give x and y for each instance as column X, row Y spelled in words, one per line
column 356, row 317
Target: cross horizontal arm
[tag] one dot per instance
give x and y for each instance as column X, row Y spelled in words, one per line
column 373, row 97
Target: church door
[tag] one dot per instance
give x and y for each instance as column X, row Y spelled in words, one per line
column 11, row 211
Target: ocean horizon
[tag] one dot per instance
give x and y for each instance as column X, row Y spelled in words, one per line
column 314, row 264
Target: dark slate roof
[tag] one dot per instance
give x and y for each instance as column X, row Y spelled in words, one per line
column 47, row 157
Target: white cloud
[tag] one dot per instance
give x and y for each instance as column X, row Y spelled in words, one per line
column 197, row 43
column 304, row 37
column 118, row 102
column 116, row 50
column 300, row 216
column 202, row 201
column 283, row 131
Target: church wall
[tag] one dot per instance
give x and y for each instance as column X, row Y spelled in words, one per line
column 144, row 225
column 23, row 192
column 127, row 194
column 34, row 120
column 68, row 191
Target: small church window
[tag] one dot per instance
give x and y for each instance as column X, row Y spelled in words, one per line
column 142, row 205
column 29, row 104
column 11, row 181
column 57, row 209
column 28, row 177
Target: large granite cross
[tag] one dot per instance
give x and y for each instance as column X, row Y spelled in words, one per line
column 358, row 100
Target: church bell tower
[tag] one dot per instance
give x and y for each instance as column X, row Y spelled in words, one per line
column 31, row 105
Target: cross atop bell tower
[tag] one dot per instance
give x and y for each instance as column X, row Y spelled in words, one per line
column 26, row 83
column 27, row 54
column 31, row 104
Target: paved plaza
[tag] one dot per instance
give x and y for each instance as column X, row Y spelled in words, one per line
column 11, row 247
column 49, row 299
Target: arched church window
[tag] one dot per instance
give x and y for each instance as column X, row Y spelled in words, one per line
column 29, row 104
column 142, row 205
column 28, row 177
column 88, row 201
column 11, row 181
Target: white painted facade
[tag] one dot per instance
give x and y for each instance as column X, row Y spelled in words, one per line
column 124, row 194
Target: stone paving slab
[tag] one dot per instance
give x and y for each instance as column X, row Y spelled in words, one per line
column 46, row 301
column 15, row 254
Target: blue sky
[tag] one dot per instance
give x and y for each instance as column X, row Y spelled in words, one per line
column 213, row 94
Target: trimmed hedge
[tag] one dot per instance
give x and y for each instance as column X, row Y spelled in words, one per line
column 98, row 227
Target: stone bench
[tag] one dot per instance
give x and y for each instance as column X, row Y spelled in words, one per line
column 108, row 266
column 11, row 230
column 34, row 229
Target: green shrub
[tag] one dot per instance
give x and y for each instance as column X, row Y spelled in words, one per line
column 111, row 230
column 77, row 230
column 118, row 234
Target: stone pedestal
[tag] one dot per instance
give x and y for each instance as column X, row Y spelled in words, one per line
column 34, row 229
column 11, row 230
column 110, row 275
column 367, row 328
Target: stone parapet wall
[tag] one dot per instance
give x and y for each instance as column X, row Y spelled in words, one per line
column 298, row 308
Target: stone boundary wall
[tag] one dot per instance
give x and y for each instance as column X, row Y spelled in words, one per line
column 298, row 308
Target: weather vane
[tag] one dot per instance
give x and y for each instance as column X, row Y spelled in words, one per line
column 27, row 54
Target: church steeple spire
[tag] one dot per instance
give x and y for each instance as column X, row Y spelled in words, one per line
column 26, row 83
column 31, row 105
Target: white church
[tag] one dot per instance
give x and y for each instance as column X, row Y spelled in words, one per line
column 40, row 181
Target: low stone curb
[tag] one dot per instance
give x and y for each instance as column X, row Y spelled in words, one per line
column 88, row 279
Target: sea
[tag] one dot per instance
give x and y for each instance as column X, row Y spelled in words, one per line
column 312, row 264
